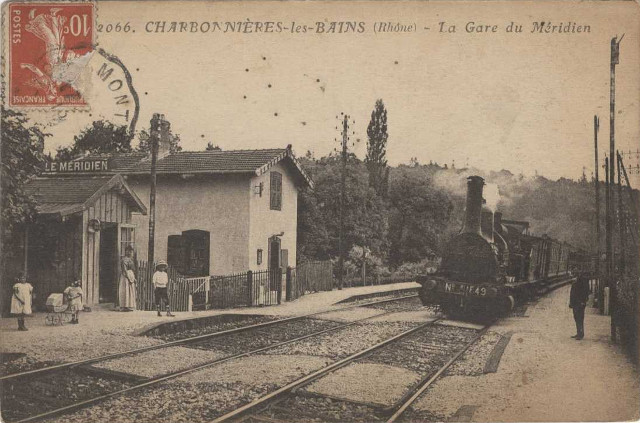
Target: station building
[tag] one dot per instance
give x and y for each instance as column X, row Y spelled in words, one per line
column 217, row 212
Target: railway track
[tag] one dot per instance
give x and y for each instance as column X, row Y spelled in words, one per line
column 63, row 366
column 304, row 398
column 46, row 388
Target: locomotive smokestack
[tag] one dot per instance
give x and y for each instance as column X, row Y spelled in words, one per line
column 473, row 213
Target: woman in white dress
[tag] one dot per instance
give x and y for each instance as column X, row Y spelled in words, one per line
column 127, row 288
column 21, row 300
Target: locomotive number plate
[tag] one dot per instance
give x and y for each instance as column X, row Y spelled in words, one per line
column 462, row 289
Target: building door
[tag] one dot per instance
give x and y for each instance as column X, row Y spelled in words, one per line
column 274, row 262
column 197, row 252
column 109, row 264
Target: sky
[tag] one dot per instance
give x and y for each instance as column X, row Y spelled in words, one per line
column 523, row 102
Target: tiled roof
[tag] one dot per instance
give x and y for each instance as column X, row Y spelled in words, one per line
column 63, row 195
column 65, row 190
column 233, row 161
column 126, row 160
column 212, row 162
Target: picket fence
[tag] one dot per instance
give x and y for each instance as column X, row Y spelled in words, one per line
column 144, row 288
column 308, row 277
column 246, row 289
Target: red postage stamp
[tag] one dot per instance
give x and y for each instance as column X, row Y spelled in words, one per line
column 50, row 44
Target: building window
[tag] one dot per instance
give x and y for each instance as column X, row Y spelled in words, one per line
column 259, row 259
column 276, row 191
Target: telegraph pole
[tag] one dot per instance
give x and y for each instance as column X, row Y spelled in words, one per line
column 154, row 137
column 621, row 218
column 615, row 59
column 607, row 222
column 596, row 127
column 343, row 186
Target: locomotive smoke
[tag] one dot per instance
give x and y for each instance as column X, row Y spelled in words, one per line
column 491, row 196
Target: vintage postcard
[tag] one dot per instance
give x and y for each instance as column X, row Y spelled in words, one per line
column 320, row 211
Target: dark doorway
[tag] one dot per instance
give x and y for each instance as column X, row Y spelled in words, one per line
column 197, row 252
column 274, row 262
column 189, row 253
column 109, row 264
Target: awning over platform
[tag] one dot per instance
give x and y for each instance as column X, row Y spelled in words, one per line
column 65, row 195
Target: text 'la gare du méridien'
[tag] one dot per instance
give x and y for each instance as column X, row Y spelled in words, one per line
column 359, row 27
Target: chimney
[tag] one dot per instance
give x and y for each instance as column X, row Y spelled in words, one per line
column 487, row 224
column 161, row 128
column 473, row 213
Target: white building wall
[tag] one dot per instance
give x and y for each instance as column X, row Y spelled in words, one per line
column 218, row 204
column 264, row 222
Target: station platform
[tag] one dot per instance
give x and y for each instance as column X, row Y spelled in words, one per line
column 544, row 374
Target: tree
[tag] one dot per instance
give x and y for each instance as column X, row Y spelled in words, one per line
column 144, row 146
column 101, row 137
column 365, row 214
column 420, row 219
column 211, row 147
column 376, row 160
column 22, row 158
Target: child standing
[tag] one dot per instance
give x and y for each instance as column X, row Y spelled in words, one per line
column 21, row 300
column 74, row 296
column 160, row 282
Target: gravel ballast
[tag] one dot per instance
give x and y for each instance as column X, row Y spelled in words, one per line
column 276, row 369
column 474, row 360
column 350, row 315
column 379, row 384
column 302, row 408
column 60, row 349
column 411, row 303
column 419, row 316
column 424, row 351
column 26, row 398
column 253, row 339
column 345, row 342
column 201, row 396
column 160, row 362
column 210, row 325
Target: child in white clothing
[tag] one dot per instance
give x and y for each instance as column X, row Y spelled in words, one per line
column 74, row 295
column 160, row 282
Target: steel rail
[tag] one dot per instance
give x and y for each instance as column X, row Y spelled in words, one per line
column 405, row 402
column 252, row 406
column 173, row 375
column 62, row 366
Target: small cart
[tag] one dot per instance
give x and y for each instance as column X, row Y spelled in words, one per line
column 58, row 310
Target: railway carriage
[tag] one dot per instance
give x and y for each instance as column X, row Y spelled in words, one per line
column 493, row 263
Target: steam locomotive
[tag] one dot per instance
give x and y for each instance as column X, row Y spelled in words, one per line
column 493, row 263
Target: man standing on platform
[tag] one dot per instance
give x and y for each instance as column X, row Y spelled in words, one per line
column 578, row 298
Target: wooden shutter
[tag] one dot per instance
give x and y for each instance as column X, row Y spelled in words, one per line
column 276, row 191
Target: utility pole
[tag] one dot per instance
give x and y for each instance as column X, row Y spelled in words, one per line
column 156, row 123
column 621, row 218
column 343, row 186
column 607, row 222
column 596, row 127
column 615, row 59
